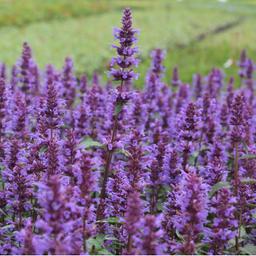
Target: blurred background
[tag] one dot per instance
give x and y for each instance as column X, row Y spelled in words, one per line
column 197, row 34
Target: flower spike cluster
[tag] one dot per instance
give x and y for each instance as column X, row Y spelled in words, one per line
column 90, row 168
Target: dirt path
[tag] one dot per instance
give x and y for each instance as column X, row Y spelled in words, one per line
column 217, row 30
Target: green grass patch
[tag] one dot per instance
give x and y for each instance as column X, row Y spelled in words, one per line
column 84, row 31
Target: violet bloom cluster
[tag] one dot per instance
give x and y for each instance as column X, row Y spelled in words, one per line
column 55, row 227
column 192, row 200
column 224, row 224
column 148, row 240
column 188, row 132
column 89, row 169
column 157, row 56
column 133, row 218
column 126, row 51
column 237, row 119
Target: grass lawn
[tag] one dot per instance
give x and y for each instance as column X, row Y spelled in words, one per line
column 82, row 29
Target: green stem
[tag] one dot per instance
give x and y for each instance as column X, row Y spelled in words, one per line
column 129, row 245
column 103, row 194
column 236, row 180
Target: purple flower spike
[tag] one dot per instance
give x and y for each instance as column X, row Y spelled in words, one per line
column 50, row 114
column 224, row 222
column 230, row 92
column 83, row 86
column 242, row 63
column 14, row 78
column 188, row 131
column 53, row 164
column 125, row 51
column 70, row 151
column 56, row 229
column 192, row 200
column 19, row 122
column 175, row 77
column 69, row 83
column 25, row 66
column 2, row 71
column 26, row 237
column 197, row 83
column 157, row 67
column 133, row 216
column 2, row 107
column 148, row 243
column 28, row 73
column 237, row 119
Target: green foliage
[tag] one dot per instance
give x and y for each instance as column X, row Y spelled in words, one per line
column 43, row 149
column 96, row 245
column 218, row 186
column 23, row 12
column 88, row 142
column 248, row 156
column 110, row 220
column 248, row 181
column 249, row 249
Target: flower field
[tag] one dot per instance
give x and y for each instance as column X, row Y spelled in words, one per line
column 88, row 167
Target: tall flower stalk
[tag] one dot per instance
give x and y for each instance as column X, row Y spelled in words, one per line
column 123, row 72
column 132, row 220
column 237, row 136
column 192, row 202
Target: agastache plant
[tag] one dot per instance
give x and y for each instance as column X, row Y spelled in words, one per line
column 188, row 132
column 55, row 235
column 237, row 137
column 25, row 64
column 90, row 168
column 133, row 218
column 189, row 221
column 124, row 61
column 148, row 239
column 224, row 224
column 2, row 115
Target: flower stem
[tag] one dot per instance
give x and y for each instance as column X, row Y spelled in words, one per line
column 236, row 180
column 129, row 245
column 110, row 152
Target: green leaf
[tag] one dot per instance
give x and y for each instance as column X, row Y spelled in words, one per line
column 218, row 186
column 97, row 244
column 248, row 156
column 104, row 252
column 193, row 157
column 243, row 233
column 113, row 220
column 252, row 206
column 3, row 212
column 43, row 149
column 248, row 181
column 88, row 142
column 110, row 238
column 232, row 242
column 124, row 152
column 179, row 235
column 245, row 146
column 7, row 226
column 110, row 220
column 249, row 249
column 118, row 108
